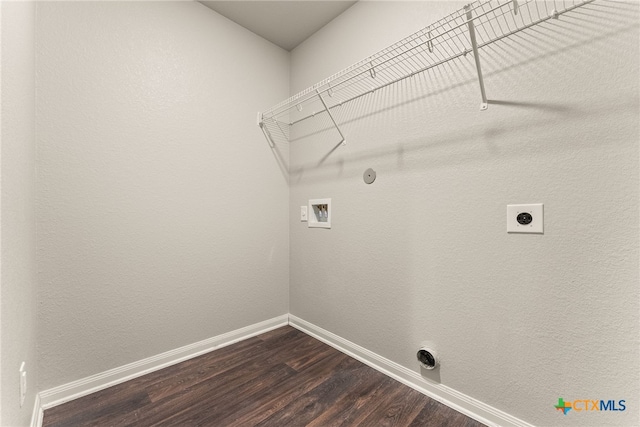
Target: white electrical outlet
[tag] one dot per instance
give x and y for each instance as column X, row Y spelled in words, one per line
column 525, row 218
column 23, row 383
column 303, row 213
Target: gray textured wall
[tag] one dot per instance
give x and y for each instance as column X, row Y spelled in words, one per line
column 423, row 254
column 18, row 321
column 162, row 215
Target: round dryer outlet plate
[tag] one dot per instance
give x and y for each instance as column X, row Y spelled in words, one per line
column 369, row 176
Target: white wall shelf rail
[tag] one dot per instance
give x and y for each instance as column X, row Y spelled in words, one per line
column 463, row 32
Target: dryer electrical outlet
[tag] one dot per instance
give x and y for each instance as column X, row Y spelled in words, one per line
column 525, row 218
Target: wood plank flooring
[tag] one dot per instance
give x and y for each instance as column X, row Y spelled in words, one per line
column 281, row 378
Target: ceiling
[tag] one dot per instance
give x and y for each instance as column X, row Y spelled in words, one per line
column 284, row 23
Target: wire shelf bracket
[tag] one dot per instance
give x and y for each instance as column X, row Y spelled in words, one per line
column 324, row 104
column 476, row 56
column 466, row 30
column 265, row 131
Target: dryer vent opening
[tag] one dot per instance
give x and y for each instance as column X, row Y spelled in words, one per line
column 427, row 358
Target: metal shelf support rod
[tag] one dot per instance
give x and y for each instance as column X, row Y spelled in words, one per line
column 472, row 35
column 343, row 142
column 265, row 131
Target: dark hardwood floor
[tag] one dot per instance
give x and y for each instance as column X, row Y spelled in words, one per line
column 281, row 378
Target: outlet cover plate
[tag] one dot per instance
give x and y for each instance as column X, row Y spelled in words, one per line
column 536, row 210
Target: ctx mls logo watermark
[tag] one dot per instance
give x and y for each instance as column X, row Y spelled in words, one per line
column 590, row 405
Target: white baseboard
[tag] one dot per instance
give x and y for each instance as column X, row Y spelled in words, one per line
column 85, row 386
column 38, row 413
column 460, row 402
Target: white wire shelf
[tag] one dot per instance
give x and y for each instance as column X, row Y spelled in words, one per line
column 463, row 32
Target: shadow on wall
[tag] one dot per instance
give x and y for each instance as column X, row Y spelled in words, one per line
column 282, row 160
column 431, row 374
column 453, row 87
